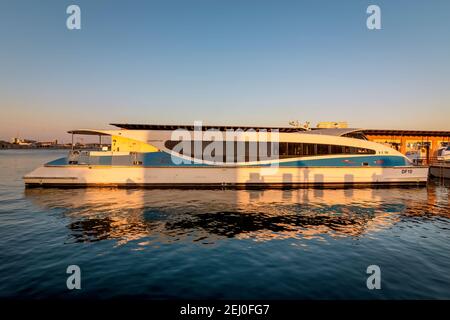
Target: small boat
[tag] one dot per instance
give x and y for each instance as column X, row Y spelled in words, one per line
column 147, row 155
column 440, row 169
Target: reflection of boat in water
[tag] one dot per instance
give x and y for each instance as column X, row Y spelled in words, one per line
column 182, row 156
column 170, row 215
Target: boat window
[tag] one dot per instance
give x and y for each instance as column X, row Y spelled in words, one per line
column 323, row 149
column 282, row 150
column 356, row 135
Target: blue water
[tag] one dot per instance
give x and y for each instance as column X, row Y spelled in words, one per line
column 271, row 244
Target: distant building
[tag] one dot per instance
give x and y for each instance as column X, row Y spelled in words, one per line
column 5, row 145
column 23, row 142
column 46, row 144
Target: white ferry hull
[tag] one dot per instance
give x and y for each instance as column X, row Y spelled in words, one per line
column 82, row 176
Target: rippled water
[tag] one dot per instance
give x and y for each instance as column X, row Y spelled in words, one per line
column 274, row 244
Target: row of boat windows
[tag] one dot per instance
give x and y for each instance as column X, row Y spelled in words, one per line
column 254, row 151
column 288, row 149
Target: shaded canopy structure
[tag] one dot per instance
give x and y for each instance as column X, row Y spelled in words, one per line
column 204, row 128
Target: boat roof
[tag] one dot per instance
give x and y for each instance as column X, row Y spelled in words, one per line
column 329, row 132
column 427, row 133
column 334, row 131
column 133, row 126
column 91, row 132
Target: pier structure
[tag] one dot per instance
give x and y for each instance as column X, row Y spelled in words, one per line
column 424, row 144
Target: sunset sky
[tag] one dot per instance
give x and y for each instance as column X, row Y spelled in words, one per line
column 232, row 62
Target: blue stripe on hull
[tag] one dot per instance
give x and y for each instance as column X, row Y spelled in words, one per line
column 372, row 161
column 163, row 159
column 58, row 162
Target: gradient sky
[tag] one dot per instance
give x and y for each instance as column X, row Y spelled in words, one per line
column 251, row 62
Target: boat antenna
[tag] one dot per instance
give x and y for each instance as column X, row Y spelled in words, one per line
column 296, row 124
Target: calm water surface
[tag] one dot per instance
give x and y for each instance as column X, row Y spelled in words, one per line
column 273, row 244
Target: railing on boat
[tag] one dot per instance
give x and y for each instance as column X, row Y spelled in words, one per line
column 104, row 157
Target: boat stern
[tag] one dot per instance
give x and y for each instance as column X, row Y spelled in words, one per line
column 44, row 176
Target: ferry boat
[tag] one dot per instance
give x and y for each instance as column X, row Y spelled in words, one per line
column 146, row 155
